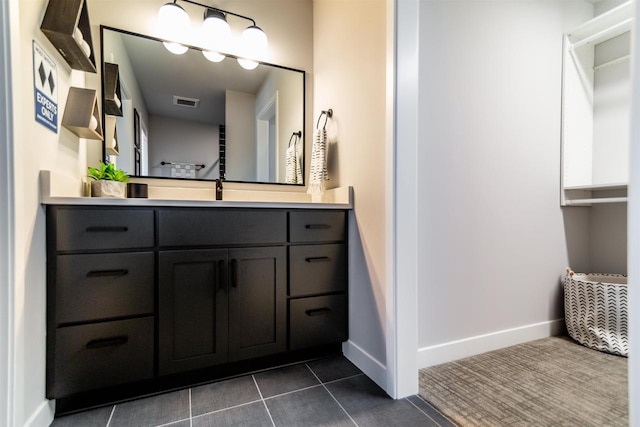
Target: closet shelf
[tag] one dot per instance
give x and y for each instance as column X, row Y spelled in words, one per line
column 587, row 195
column 606, row 26
column 598, row 187
column 589, row 202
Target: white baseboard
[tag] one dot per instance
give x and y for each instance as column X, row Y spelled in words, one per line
column 366, row 363
column 42, row 416
column 454, row 350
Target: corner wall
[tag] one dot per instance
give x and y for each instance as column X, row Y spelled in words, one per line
column 493, row 240
column 35, row 148
column 350, row 63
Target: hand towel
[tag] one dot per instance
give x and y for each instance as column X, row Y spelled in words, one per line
column 318, row 174
column 293, row 170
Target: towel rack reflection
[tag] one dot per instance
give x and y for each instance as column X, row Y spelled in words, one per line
column 198, row 167
column 296, row 134
column 327, row 115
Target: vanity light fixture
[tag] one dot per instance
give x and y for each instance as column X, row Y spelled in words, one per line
column 174, row 22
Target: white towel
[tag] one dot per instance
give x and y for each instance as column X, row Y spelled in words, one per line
column 318, row 174
column 293, row 173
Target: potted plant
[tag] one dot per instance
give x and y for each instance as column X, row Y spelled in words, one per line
column 108, row 181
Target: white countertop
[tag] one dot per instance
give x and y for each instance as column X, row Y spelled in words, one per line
column 58, row 190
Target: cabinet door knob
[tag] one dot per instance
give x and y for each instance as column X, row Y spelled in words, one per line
column 107, row 273
column 107, row 342
column 318, row 311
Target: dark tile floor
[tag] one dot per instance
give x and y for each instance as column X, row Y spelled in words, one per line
column 327, row 392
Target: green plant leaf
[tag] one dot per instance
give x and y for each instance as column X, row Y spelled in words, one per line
column 107, row 172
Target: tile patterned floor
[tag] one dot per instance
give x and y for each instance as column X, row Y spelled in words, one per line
column 327, row 392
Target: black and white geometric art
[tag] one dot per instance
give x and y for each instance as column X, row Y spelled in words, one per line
column 596, row 311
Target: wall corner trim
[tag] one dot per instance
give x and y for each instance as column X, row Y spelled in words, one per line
column 42, row 416
column 366, row 363
column 459, row 349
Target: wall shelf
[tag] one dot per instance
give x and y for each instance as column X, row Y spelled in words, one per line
column 112, row 94
column 81, row 106
column 59, row 24
column 111, row 135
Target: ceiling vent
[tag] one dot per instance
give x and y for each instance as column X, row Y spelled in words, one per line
column 185, row 102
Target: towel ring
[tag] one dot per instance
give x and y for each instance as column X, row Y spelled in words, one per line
column 297, row 135
column 327, row 115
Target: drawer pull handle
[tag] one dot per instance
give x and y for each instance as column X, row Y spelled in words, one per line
column 234, row 273
column 317, row 226
column 318, row 311
column 318, row 259
column 107, row 342
column 107, row 229
column 107, row 273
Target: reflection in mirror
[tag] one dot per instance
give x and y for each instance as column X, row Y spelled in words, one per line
column 184, row 116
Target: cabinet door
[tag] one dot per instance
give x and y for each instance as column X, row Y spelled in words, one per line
column 257, row 302
column 193, row 304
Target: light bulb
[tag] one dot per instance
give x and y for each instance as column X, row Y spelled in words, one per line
column 172, row 17
column 254, row 42
column 247, row 64
column 175, row 48
column 215, row 28
column 213, row 56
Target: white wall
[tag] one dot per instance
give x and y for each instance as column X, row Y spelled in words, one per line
column 289, row 89
column 350, row 77
column 35, row 148
column 493, row 239
column 240, row 132
column 611, row 103
column 634, row 236
column 115, row 52
column 166, row 143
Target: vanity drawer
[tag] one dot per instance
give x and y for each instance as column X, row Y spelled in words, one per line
column 202, row 227
column 316, row 321
column 101, row 286
column 317, row 226
column 97, row 229
column 317, row 269
column 103, row 354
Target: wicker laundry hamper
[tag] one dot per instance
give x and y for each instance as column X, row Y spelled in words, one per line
column 595, row 311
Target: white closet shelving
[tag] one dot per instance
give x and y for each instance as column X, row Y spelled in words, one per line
column 596, row 100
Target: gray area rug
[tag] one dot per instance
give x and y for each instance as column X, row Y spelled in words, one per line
column 549, row 382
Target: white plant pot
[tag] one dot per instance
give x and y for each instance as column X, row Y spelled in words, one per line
column 103, row 188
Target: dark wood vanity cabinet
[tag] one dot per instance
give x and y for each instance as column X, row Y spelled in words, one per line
column 143, row 293
column 100, row 298
column 220, row 305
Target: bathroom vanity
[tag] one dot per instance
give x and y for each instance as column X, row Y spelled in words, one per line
column 146, row 296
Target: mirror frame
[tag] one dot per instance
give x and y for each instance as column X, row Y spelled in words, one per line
column 105, row 157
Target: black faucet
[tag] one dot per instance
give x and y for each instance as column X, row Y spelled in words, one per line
column 219, row 189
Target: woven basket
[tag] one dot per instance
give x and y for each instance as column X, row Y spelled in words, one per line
column 595, row 311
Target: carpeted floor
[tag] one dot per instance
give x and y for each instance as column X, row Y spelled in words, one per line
column 549, row 382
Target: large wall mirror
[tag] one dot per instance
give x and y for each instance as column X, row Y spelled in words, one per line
column 186, row 117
